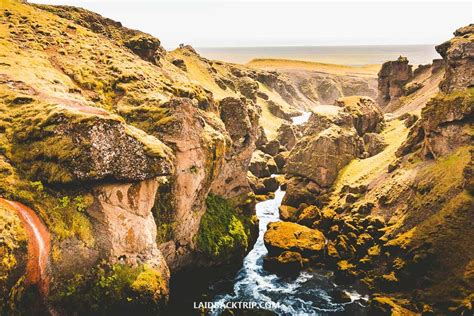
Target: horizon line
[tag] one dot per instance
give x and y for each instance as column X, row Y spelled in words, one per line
column 336, row 45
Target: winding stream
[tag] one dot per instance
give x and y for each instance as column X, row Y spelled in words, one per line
column 308, row 294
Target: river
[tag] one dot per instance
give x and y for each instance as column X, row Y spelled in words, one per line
column 308, row 294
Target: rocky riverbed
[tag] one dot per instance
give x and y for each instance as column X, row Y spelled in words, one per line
column 139, row 166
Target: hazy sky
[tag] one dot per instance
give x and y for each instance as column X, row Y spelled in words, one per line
column 286, row 23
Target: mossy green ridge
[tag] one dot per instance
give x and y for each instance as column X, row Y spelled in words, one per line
column 223, row 233
column 115, row 289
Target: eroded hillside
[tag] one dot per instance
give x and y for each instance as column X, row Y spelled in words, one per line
column 141, row 163
column 391, row 195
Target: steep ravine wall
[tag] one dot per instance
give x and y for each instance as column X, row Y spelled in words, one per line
column 397, row 220
column 136, row 159
column 130, row 164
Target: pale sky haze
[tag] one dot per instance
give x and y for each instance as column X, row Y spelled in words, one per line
column 286, row 23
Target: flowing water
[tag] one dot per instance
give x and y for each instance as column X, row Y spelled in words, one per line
column 308, row 294
column 301, row 119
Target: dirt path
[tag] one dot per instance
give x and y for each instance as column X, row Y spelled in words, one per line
column 38, row 246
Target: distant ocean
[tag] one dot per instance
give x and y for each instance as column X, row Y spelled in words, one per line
column 346, row 55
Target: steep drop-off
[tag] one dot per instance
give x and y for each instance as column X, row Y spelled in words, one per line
column 143, row 163
column 135, row 166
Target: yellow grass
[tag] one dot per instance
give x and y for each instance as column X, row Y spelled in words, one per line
column 366, row 170
column 269, row 64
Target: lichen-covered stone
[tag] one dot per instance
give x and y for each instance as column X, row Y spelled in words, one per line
column 458, row 55
column 288, row 263
column 66, row 147
column 391, row 78
column 283, row 236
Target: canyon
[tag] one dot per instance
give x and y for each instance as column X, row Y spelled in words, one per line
column 125, row 166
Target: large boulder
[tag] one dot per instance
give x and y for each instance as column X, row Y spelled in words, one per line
column 391, row 78
column 263, row 185
column 261, row 164
column 272, row 147
column 288, row 135
column 365, row 113
column 288, row 263
column 280, row 159
column 458, row 56
column 321, row 157
column 287, row 236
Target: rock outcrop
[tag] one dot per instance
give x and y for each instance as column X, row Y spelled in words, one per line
column 240, row 118
column 329, row 143
column 458, row 56
column 366, row 115
column 391, row 79
column 124, row 223
column 399, row 221
column 285, row 236
column 75, row 147
column 288, row 135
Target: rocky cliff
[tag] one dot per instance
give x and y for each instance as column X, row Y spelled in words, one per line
column 391, row 79
column 139, row 163
column 136, row 165
column 397, row 220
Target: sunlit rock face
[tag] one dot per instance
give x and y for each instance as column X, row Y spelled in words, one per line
column 458, row 56
column 391, row 79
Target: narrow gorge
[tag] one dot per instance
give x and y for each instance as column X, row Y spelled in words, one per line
column 136, row 180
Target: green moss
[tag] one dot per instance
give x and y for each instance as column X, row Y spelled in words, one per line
column 61, row 210
column 223, row 233
column 457, row 103
column 149, row 286
column 163, row 211
column 113, row 289
column 13, row 252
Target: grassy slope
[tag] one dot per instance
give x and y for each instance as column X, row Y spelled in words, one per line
column 204, row 72
column 427, row 209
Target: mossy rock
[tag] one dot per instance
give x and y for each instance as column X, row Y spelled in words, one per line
column 13, row 251
column 286, row 236
column 223, row 234
column 113, row 289
column 288, row 263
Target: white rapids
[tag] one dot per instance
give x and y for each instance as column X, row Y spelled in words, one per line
column 308, row 294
